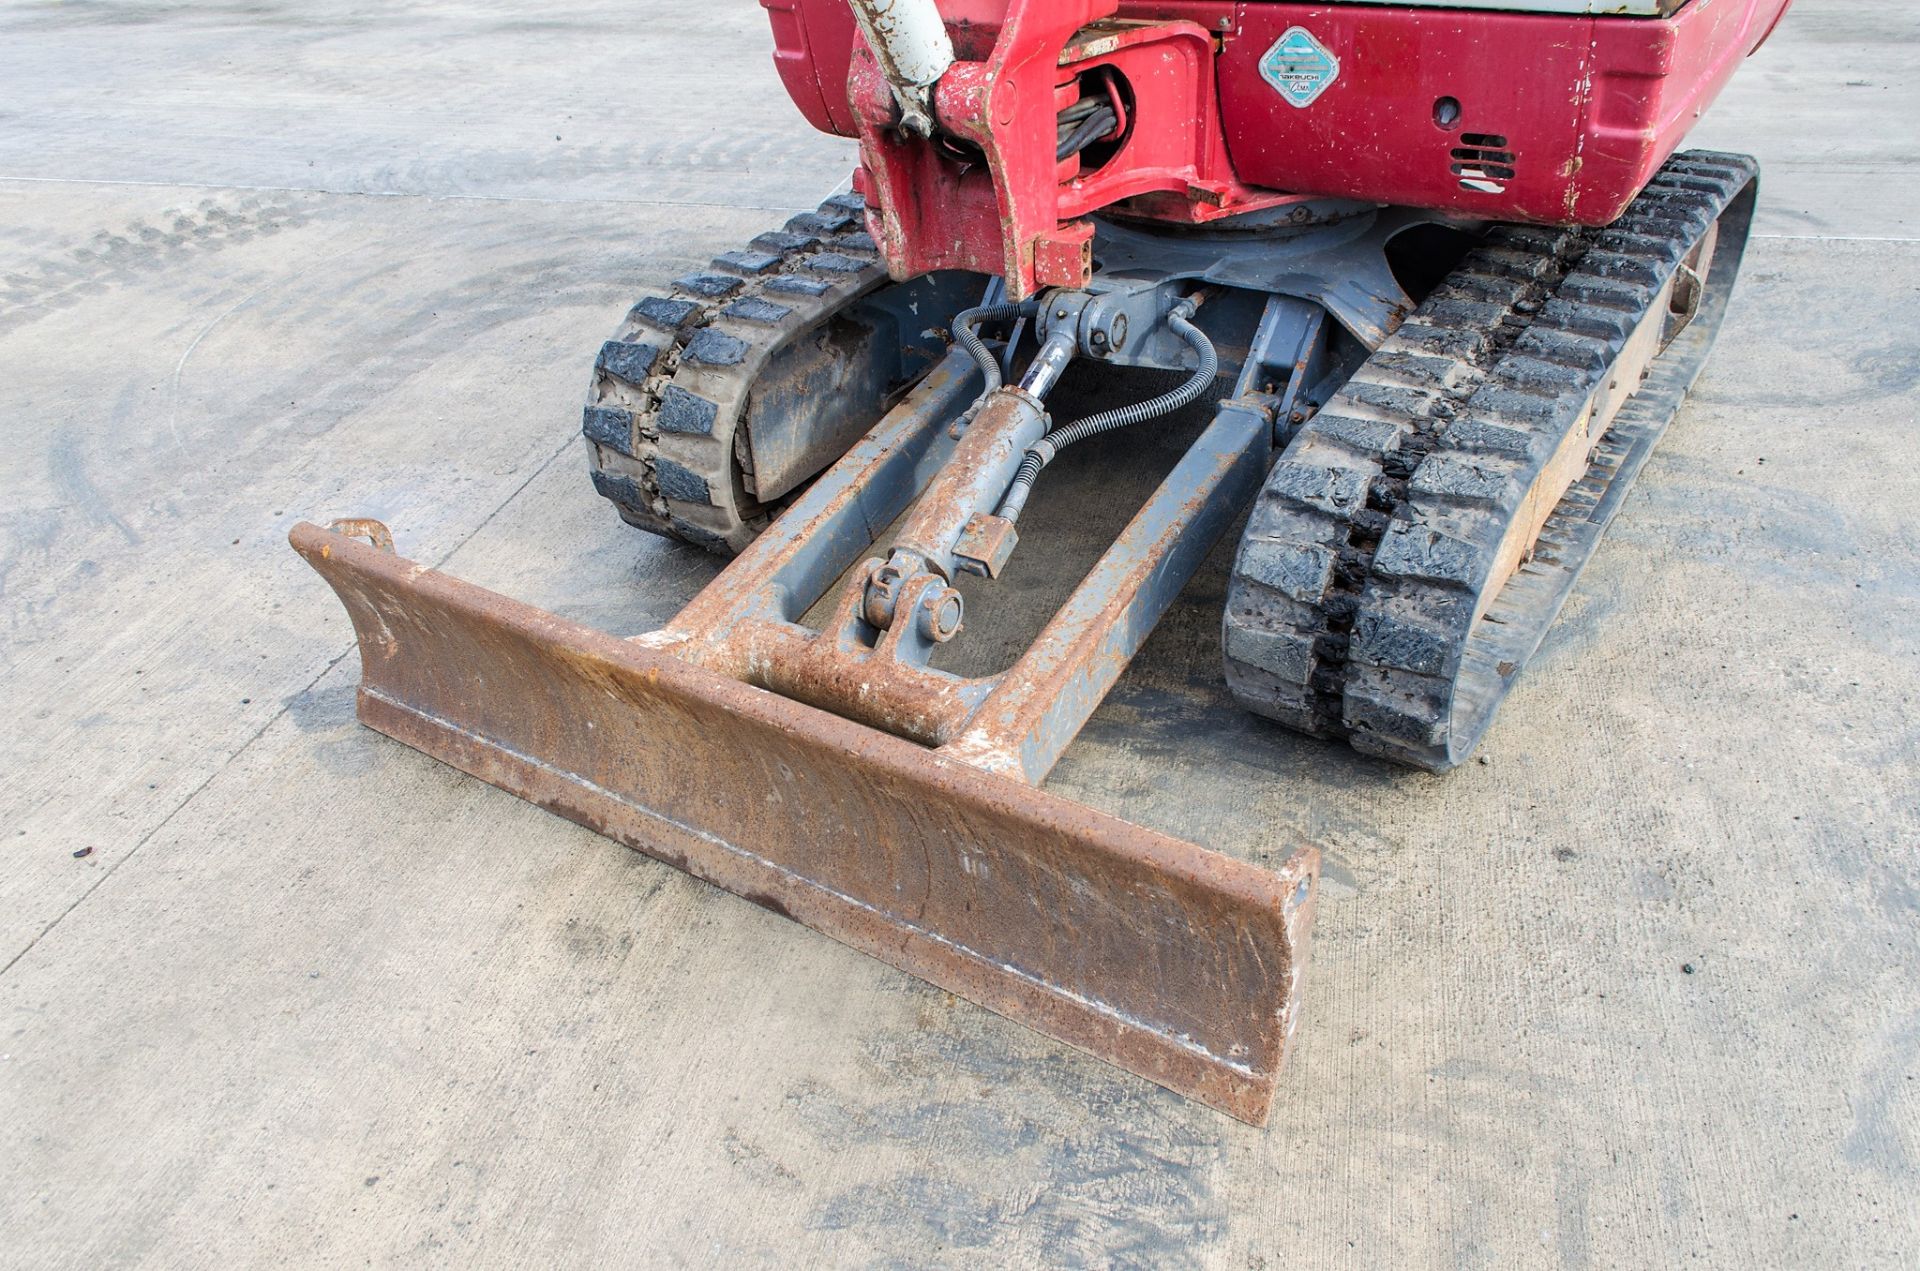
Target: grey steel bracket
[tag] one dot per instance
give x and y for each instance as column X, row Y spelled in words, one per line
column 866, row 663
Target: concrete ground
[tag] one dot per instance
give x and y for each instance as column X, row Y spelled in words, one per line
column 311, row 998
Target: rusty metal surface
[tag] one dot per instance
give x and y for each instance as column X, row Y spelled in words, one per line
column 975, row 478
column 1037, row 708
column 1171, row 961
column 867, row 667
column 375, row 532
column 985, row 545
column 874, row 684
column 831, row 525
column 1017, row 723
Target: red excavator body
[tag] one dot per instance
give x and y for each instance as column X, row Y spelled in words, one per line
column 1229, row 108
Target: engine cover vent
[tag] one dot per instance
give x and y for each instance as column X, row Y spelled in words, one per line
column 1483, row 163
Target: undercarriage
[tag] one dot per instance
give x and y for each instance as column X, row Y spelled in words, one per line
column 1420, row 419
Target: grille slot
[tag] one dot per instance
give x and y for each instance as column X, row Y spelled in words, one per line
column 1483, row 163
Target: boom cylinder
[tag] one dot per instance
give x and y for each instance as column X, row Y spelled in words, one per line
column 909, row 39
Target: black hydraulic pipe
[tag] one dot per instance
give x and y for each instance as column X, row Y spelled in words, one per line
column 1041, row 453
column 967, row 338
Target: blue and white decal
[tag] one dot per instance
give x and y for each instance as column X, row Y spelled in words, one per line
column 1299, row 67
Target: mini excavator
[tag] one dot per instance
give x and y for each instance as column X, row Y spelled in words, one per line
column 1439, row 277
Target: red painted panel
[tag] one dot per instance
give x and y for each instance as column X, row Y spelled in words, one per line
column 1372, row 133
column 1651, row 88
column 812, row 45
column 1589, row 107
column 1559, row 119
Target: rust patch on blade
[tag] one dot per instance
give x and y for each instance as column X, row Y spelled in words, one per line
column 1171, row 961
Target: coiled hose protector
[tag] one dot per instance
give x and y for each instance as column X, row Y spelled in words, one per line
column 967, row 338
column 1041, row 453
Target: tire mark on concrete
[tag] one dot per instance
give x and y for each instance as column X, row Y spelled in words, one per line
column 67, row 471
column 1092, row 1167
column 110, row 257
column 1876, row 1141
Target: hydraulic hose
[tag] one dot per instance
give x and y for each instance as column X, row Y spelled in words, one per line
column 1041, row 453
column 967, row 338
column 1095, row 125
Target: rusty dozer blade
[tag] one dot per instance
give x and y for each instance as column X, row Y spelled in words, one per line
column 835, row 773
column 1174, row 962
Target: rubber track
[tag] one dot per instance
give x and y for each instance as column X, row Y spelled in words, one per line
column 1351, row 609
column 669, row 390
